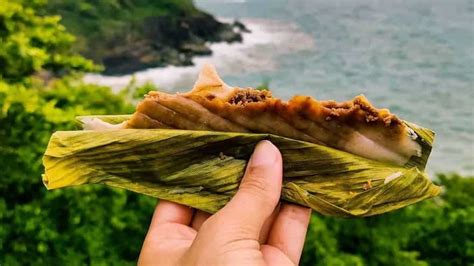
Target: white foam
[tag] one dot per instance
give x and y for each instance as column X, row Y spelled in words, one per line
column 259, row 51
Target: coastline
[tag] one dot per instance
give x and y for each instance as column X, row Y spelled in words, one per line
column 258, row 52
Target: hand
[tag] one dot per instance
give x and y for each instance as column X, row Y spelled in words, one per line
column 252, row 229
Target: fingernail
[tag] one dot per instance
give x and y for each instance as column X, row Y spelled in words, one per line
column 265, row 153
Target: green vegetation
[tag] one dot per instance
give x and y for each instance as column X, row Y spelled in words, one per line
column 31, row 43
column 103, row 226
column 92, row 20
column 86, row 17
column 265, row 85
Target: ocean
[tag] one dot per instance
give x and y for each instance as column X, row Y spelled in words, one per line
column 414, row 57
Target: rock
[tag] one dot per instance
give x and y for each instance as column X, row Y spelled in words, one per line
column 240, row 27
column 196, row 48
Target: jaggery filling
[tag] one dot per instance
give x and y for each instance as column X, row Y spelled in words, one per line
column 249, row 95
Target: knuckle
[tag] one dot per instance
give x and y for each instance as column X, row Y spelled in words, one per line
column 296, row 213
column 239, row 244
column 255, row 182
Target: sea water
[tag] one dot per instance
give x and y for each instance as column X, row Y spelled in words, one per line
column 414, row 57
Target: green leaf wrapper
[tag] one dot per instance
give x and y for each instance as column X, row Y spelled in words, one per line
column 203, row 169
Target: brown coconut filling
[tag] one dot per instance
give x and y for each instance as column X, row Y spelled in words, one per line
column 249, row 95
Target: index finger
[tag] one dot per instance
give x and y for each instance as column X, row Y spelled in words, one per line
column 289, row 230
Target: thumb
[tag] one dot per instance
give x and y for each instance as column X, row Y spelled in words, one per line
column 259, row 191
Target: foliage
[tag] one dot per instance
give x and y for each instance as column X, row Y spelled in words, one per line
column 30, row 43
column 265, row 85
column 91, row 20
column 135, row 92
column 97, row 13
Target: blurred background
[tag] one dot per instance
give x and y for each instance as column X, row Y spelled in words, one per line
column 63, row 58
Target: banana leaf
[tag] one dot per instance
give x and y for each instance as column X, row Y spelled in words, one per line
column 203, row 169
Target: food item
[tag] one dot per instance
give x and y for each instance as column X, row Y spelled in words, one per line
column 341, row 159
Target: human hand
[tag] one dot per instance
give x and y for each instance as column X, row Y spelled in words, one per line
column 252, row 229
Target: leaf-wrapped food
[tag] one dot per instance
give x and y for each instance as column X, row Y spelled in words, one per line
column 341, row 159
column 203, row 169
